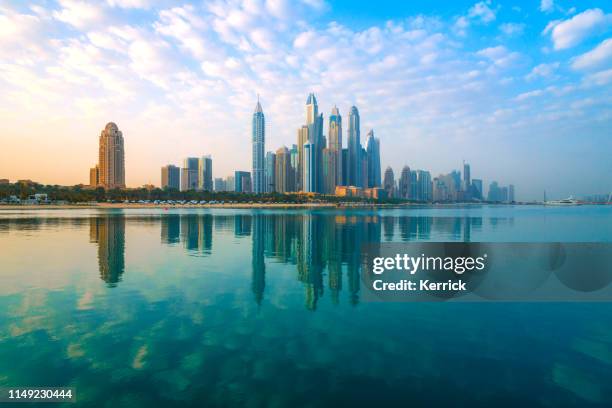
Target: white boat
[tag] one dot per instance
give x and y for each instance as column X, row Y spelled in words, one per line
column 566, row 201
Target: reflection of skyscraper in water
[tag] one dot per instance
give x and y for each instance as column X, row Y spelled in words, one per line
column 109, row 234
column 258, row 278
column 388, row 227
column 242, row 225
column 170, row 229
column 310, row 264
column 197, row 232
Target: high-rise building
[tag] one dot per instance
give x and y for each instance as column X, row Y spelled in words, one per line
column 283, row 173
column 413, row 185
column 94, row 176
column 511, row 193
column 171, row 177
column 345, row 167
column 230, row 183
column 189, row 174
column 354, row 149
column 424, row 186
column 258, row 140
column 405, row 184
column 205, row 176
column 294, row 168
column 111, row 158
column 330, row 169
column 270, row 172
column 302, row 139
column 242, row 182
column 373, row 149
column 494, row 192
column 363, row 166
column 220, row 184
column 477, row 192
column 466, row 177
column 335, row 147
column 389, row 182
column 309, row 181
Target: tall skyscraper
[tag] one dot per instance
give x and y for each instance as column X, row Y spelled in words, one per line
column 94, row 176
column 189, row 174
column 373, row 150
column 294, row 167
column 302, row 139
column 466, row 177
column 330, row 169
column 405, row 181
column 389, row 182
column 335, row 146
column 354, row 149
column 270, row 172
column 258, row 140
column 309, row 181
column 205, row 176
column 283, row 173
column 424, row 186
column 111, row 158
column 171, row 177
column 477, row 189
column 511, row 193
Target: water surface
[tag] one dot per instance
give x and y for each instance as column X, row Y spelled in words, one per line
column 260, row 308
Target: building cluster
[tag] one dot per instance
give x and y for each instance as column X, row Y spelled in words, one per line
column 316, row 163
column 417, row 185
column 110, row 170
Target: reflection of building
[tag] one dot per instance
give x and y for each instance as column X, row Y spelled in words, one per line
column 109, row 234
column 258, row 279
column 170, row 229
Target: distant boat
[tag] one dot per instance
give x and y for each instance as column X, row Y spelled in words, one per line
column 566, row 201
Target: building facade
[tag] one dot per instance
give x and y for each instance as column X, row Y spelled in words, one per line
column 205, row 174
column 258, row 139
column 170, row 177
column 189, row 174
column 111, row 158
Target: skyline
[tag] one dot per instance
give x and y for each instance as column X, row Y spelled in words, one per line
column 522, row 95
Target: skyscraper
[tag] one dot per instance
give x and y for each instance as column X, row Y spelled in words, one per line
column 373, row 150
column 111, row 158
column 466, row 177
column 335, row 145
column 171, row 177
column 354, row 149
column 424, row 186
column 511, row 193
column 477, row 189
column 258, row 140
column 270, row 172
column 389, row 182
column 205, row 178
column 302, row 139
column 94, row 176
column 283, row 173
column 189, row 175
column 309, row 181
column 220, row 184
column 242, row 182
column 405, row 187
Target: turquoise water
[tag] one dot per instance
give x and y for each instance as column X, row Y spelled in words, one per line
column 263, row 308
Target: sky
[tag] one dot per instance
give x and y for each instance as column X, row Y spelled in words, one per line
column 521, row 90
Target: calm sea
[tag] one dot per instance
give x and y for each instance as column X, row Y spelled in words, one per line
column 263, row 308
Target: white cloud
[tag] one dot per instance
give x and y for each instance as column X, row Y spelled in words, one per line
column 512, row 29
column 597, row 57
column 78, row 13
column 571, row 32
column 482, row 12
column 499, row 55
column 542, row 71
column 547, row 6
column 142, row 4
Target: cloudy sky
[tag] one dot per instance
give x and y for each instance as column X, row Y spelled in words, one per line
column 519, row 89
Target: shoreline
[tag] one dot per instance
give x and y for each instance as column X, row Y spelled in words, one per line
column 186, row 206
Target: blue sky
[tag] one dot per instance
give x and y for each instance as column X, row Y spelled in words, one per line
column 519, row 89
